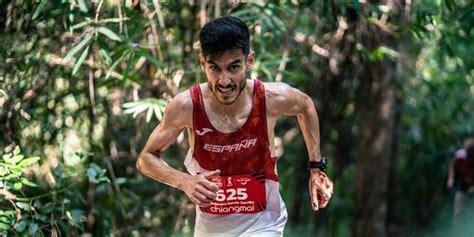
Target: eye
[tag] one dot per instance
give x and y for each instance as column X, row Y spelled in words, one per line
column 214, row 68
column 234, row 67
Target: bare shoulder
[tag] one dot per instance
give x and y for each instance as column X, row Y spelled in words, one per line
column 279, row 96
column 277, row 88
column 179, row 111
column 284, row 99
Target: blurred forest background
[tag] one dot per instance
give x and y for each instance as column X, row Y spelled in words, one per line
column 83, row 83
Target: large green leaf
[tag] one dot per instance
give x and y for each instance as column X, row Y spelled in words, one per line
column 151, row 105
column 17, row 185
column 150, row 58
column 137, row 109
column 14, row 160
column 28, row 183
column 80, row 61
column 116, row 63
column 16, row 151
column 109, row 33
column 29, row 161
column 127, row 66
column 33, row 228
column 158, row 112
column 77, row 48
column 20, row 227
column 149, row 114
column 104, row 51
column 83, row 6
column 39, row 9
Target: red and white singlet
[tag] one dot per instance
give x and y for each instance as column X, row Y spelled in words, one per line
column 248, row 202
column 463, row 171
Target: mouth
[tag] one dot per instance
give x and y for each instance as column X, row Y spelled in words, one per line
column 226, row 90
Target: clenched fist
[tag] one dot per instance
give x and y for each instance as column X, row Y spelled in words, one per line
column 199, row 189
column 320, row 188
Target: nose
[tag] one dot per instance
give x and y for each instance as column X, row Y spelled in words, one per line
column 224, row 79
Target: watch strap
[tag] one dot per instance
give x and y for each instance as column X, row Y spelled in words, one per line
column 321, row 165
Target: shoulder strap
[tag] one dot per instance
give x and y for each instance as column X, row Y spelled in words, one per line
column 259, row 97
column 199, row 116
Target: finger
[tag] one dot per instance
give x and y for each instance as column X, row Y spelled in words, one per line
column 197, row 201
column 323, row 203
column 201, row 200
column 210, row 195
column 208, row 184
column 314, row 196
column 323, row 200
column 326, row 196
column 209, row 174
column 204, row 204
column 329, row 186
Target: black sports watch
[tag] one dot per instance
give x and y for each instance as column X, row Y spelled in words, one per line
column 321, row 165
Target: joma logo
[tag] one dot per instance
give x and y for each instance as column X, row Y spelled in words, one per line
column 204, row 131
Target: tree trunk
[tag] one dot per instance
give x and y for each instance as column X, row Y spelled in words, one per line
column 376, row 122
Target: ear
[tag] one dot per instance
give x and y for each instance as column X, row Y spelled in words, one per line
column 202, row 61
column 250, row 60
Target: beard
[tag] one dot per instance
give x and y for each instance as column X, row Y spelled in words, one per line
column 229, row 94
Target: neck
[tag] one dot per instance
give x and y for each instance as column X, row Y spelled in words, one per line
column 244, row 97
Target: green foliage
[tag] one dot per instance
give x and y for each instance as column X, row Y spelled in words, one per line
column 12, row 181
column 151, row 105
column 56, row 209
column 82, row 81
column 11, row 169
column 438, row 116
column 96, row 174
column 379, row 53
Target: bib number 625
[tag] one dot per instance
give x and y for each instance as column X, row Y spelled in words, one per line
column 232, row 194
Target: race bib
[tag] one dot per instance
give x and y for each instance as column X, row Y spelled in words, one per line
column 238, row 194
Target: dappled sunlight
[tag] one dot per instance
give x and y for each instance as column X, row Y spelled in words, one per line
column 83, row 84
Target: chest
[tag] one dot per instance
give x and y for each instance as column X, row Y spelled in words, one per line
column 228, row 121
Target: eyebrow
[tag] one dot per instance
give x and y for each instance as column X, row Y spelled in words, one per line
column 210, row 61
column 233, row 62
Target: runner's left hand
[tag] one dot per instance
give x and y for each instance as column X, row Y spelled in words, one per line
column 321, row 189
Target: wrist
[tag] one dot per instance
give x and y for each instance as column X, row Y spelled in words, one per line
column 180, row 182
column 320, row 165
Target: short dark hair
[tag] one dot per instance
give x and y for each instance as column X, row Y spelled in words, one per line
column 225, row 33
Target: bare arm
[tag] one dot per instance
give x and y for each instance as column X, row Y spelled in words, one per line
column 177, row 116
column 450, row 182
column 283, row 99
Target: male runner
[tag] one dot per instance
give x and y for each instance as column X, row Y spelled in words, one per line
column 230, row 121
column 461, row 180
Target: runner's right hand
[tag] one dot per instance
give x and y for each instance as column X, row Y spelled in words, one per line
column 199, row 189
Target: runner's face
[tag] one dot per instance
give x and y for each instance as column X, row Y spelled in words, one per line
column 226, row 74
